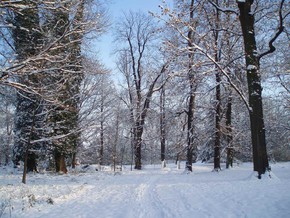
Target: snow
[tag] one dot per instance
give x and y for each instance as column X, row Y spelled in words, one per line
column 251, row 67
column 151, row 192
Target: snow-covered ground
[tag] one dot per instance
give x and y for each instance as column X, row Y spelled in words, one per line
column 151, row 193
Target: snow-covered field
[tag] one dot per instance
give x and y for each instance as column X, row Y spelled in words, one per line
column 152, row 192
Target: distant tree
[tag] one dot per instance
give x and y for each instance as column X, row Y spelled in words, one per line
column 7, row 108
column 97, row 103
column 137, row 31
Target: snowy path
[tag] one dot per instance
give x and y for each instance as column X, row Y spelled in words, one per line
column 155, row 193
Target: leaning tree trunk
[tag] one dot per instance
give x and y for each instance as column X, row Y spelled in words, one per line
column 260, row 157
column 141, row 117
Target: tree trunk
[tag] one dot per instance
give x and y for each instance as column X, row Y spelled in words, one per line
column 73, row 161
column 141, row 116
column 137, row 146
column 31, row 162
column 229, row 134
column 132, row 141
column 60, row 164
column 217, row 144
column 230, row 150
column 162, row 126
column 27, row 155
column 101, row 147
column 191, row 103
column 25, row 167
column 116, row 141
column 190, row 130
column 260, row 157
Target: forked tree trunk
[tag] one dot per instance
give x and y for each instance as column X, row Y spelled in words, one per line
column 141, row 117
column 260, row 157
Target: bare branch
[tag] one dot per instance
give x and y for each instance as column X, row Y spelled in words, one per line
column 225, row 10
column 281, row 28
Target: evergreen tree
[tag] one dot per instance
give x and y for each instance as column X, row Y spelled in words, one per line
column 28, row 120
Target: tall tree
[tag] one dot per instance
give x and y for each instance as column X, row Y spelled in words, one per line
column 138, row 31
column 192, row 90
column 27, row 41
column 247, row 20
column 218, row 102
column 65, row 25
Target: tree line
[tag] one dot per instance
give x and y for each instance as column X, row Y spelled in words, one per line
column 190, row 84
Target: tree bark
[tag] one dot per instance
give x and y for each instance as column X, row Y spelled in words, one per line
column 25, row 167
column 217, row 144
column 190, row 129
column 60, row 164
column 260, row 157
column 32, row 165
column 162, row 126
column 73, row 161
column 101, row 148
column 230, row 150
column 191, row 103
column 138, row 143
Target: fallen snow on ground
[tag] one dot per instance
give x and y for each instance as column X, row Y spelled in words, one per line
column 151, row 192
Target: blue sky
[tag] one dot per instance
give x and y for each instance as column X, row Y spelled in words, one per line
column 105, row 44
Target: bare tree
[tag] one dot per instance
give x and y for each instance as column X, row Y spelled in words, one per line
column 137, row 31
column 247, row 20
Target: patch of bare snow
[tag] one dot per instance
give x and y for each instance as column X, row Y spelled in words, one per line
column 151, row 192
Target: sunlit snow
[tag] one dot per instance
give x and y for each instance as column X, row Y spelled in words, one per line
column 149, row 193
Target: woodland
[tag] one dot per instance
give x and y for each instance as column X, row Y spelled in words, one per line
column 201, row 80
